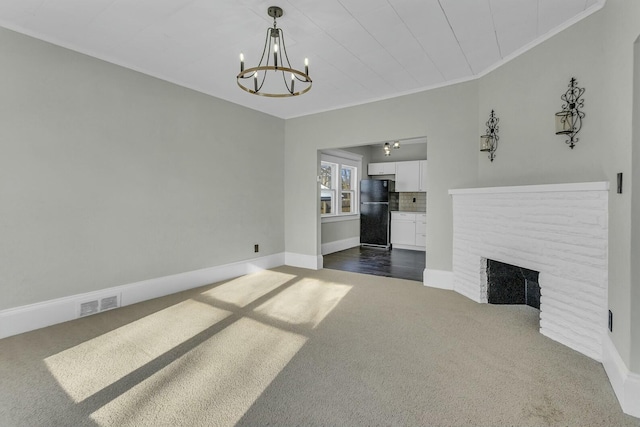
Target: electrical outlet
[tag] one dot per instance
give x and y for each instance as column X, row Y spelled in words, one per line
column 256, row 248
column 610, row 321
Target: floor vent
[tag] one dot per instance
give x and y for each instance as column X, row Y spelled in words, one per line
column 89, row 307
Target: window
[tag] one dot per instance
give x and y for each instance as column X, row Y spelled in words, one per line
column 339, row 178
column 327, row 188
column 348, row 187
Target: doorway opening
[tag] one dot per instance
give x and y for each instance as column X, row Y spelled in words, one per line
column 345, row 235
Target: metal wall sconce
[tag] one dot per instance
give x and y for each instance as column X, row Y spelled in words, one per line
column 489, row 141
column 569, row 120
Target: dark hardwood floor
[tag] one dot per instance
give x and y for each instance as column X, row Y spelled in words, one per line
column 399, row 263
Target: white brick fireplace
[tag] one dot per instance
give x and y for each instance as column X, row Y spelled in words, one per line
column 559, row 230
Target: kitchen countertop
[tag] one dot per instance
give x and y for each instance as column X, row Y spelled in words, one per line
column 411, row 212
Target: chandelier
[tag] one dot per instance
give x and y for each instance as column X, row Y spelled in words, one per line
column 274, row 49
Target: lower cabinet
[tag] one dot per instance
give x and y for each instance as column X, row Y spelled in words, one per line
column 421, row 230
column 403, row 231
column 408, row 230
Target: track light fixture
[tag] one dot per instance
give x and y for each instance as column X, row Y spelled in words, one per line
column 388, row 145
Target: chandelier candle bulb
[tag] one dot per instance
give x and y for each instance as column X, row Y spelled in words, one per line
column 293, row 81
column 275, row 55
column 241, row 62
column 255, row 81
column 306, row 66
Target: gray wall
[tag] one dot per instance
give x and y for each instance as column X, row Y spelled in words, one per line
column 525, row 93
column 404, row 153
column 635, row 213
column 108, row 176
column 619, row 29
column 451, row 128
column 340, row 230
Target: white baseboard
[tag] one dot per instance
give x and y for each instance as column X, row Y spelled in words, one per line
column 626, row 384
column 26, row 318
column 408, row 247
column 340, row 245
column 440, row 279
column 311, row 262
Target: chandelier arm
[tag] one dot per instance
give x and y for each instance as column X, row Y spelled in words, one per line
column 305, row 80
column 264, row 77
column 284, row 48
column 266, row 43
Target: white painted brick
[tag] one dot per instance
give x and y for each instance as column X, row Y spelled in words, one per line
column 561, row 234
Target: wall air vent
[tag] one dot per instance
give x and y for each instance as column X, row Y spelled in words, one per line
column 109, row 302
column 88, row 308
column 104, row 303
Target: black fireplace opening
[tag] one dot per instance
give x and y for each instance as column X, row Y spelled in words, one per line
column 510, row 284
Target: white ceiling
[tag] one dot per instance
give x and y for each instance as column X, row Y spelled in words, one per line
column 359, row 50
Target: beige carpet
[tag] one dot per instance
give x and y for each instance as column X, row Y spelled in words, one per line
column 298, row 347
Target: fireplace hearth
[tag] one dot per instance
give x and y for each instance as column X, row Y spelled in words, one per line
column 510, row 284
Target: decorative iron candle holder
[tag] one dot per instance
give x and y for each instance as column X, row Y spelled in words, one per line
column 569, row 120
column 489, row 141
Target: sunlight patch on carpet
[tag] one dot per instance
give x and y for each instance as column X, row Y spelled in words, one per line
column 246, row 289
column 304, row 303
column 213, row 384
column 89, row 367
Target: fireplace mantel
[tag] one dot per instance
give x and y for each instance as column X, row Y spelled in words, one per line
column 559, row 230
column 544, row 188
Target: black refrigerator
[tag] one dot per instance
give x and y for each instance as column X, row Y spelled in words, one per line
column 374, row 211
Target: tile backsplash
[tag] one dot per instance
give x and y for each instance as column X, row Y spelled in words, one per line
column 412, row 202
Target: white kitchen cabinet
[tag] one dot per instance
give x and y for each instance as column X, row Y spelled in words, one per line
column 421, row 230
column 408, row 230
column 423, row 175
column 403, row 231
column 408, row 176
column 386, row 168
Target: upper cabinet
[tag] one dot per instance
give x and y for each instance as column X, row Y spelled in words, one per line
column 387, row 168
column 423, row 175
column 408, row 176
